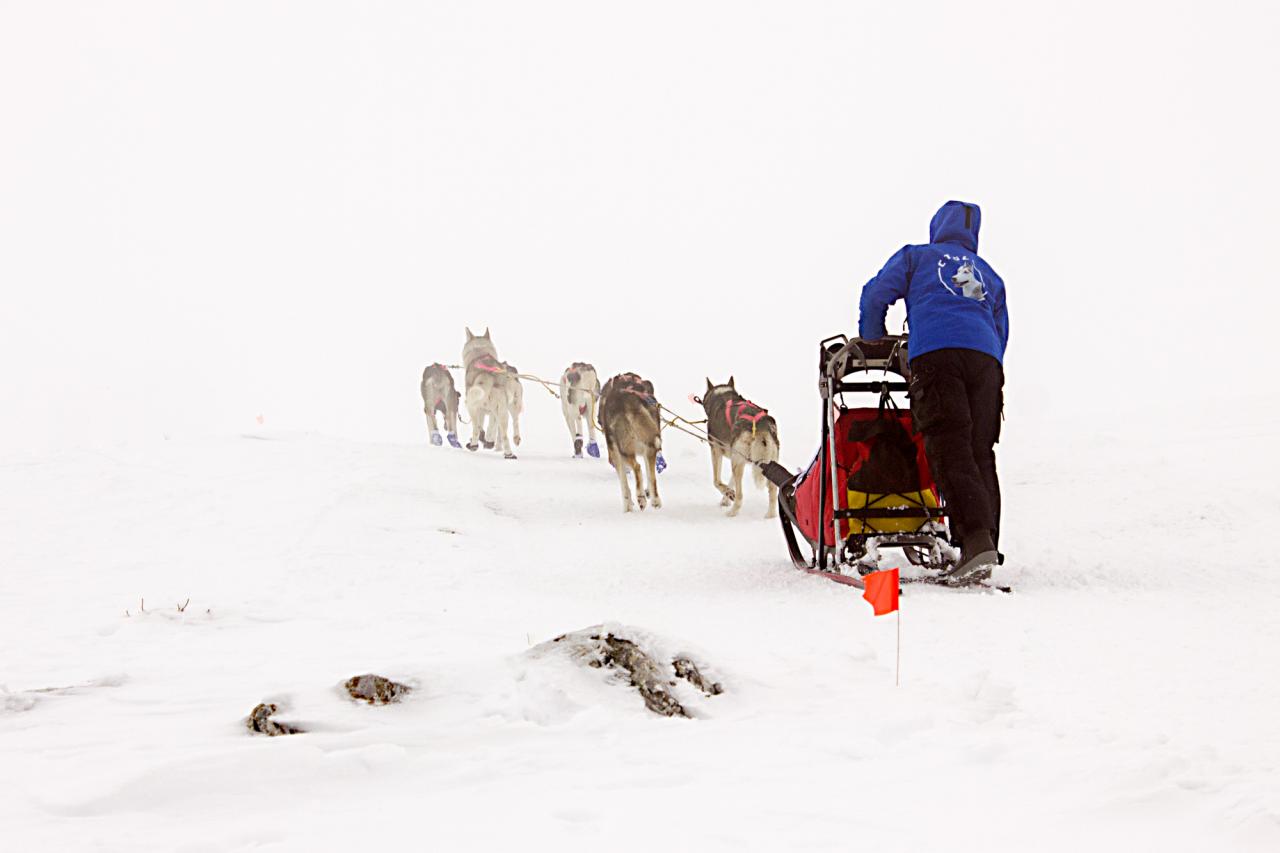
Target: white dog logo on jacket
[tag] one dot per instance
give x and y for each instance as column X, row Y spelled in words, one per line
column 970, row 286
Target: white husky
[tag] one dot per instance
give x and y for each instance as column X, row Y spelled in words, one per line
column 969, row 285
column 579, row 394
column 493, row 392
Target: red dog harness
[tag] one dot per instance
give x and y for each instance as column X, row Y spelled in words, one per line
column 747, row 411
column 488, row 364
column 635, row 384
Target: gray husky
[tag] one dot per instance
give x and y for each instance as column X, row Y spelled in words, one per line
column 440, row 395
column 744, row 432
column 492, row 392
column 579, row 391
column 632, row 432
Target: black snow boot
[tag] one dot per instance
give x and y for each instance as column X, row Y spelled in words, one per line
column 977, row 557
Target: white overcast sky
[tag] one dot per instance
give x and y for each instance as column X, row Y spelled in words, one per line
column 211, row 210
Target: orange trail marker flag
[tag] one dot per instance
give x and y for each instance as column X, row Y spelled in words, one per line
column 882, row 591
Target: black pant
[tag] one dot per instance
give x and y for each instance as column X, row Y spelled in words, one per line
column 957, row 400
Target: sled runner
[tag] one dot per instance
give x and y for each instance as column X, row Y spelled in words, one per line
column 884, row 496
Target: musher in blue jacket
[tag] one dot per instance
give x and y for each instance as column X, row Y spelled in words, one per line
column 959, row 329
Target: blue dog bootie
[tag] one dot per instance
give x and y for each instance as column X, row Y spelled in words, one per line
column 453, row 440
column 436, row 441
column 593, row 450
column 661, row 463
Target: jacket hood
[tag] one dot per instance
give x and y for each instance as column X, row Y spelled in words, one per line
column 956, row 222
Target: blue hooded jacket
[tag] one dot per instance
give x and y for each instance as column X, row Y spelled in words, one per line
column 954, row 298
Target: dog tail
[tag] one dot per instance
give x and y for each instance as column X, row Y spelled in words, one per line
column 764, row 448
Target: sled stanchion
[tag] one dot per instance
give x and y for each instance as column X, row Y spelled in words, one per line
column 834, row 466
column 820, row 549
column 897, row 663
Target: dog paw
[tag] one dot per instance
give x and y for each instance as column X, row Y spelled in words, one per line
column 733, row 512
column 657, row 503
column 472, row 446
column 508, row 456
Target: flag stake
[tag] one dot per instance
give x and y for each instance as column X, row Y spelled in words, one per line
column 881, row 591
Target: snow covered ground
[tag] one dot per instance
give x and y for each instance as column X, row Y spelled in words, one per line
column 1123, row 698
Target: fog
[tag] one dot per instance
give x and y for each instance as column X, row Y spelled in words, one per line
column 211, row 211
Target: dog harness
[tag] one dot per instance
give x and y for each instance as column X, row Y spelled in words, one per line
column 634, row 384
column 574, row 373
column 644, row 395
column 747, row 411
column 488, row 364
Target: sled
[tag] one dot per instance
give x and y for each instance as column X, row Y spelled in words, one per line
column 868, row 489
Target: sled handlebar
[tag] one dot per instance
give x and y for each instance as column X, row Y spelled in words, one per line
column 842, row 357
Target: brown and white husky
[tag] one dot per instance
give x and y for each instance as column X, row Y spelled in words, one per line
column 632, row 433
column 747, row 434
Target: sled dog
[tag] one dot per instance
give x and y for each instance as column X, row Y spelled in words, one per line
column 492, row 393
column 747, row 434
column 632, row 433
column 579, row 393
column 440, row 395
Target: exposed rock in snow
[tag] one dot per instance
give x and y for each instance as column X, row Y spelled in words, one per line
column 375, row 689
column 689, row 671
column 599, row 647
column 259, row 722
